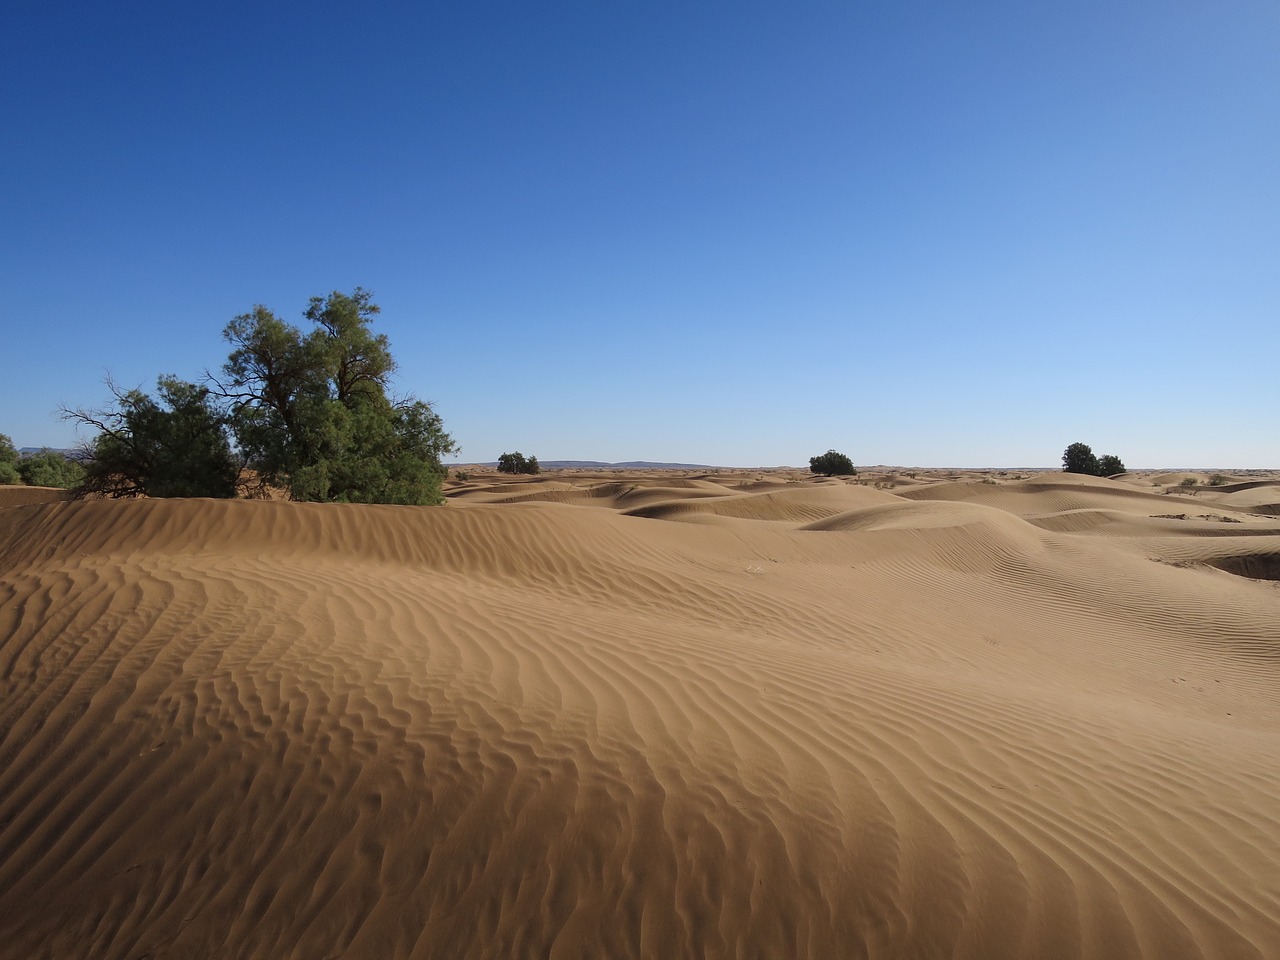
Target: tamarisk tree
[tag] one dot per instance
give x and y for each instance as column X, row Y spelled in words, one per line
column 312, row 411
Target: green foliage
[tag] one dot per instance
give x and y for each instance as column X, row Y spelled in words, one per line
column 8, row 462
column 311, row 412
column 1217, row 480
column 177, row 446
column 1189, row 482
column 1109, row 465
column 832, row 464
column 1079, row 458
column 49, row 468
column 518, row 463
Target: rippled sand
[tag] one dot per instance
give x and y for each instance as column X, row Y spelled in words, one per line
column 653, row 716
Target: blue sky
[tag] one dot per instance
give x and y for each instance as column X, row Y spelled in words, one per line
column 923, row 233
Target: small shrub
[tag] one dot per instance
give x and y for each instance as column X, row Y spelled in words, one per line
column 1217, row 480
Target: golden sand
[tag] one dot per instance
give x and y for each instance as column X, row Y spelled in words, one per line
column 651, row 715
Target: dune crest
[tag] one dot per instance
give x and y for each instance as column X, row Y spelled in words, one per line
column 655, row 716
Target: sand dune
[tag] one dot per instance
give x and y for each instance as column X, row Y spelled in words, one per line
column 646, row 716
column 17, row 494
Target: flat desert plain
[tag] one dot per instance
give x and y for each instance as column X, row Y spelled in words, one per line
column 663, row 715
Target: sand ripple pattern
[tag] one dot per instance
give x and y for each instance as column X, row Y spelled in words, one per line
column 703, row 717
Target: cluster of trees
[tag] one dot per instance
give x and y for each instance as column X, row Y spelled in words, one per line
column 832, row 464
column 1079, row 458
column 307, row 412
column 47, row 468
column 518, row 463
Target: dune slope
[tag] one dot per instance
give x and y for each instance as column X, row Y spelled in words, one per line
column 824, row 721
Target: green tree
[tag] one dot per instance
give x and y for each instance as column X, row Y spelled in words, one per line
column 357, row 361
column 312, row 413
column 8, row 461
column 518, row 463
column 1079, row 458
column 176, row 446
column 832, row 464
column 275, row 391
column 1109, row 465
column 49, row 468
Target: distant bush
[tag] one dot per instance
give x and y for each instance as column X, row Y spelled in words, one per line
column 518, row 463
column 8, row 461
column 1079, row 458
column 1109, row 465
column 1189, row 482
column 49, row 468
column 832, row 464
column 1217, row 480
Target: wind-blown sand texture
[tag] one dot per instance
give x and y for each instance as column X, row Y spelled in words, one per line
column 654, row 715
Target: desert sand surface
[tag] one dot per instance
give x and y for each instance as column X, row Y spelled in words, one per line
column 656, row 714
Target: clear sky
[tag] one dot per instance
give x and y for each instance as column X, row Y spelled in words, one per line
column 923, row 233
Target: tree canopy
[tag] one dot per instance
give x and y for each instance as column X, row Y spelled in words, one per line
column 306, row 412
column 8, row 461
column 312, row 413
column 832, row 464
column 50, row 468
column 518, row 463
column 45, row 468
column 1079, row 458
column 1109, row 465
column 173, row 446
